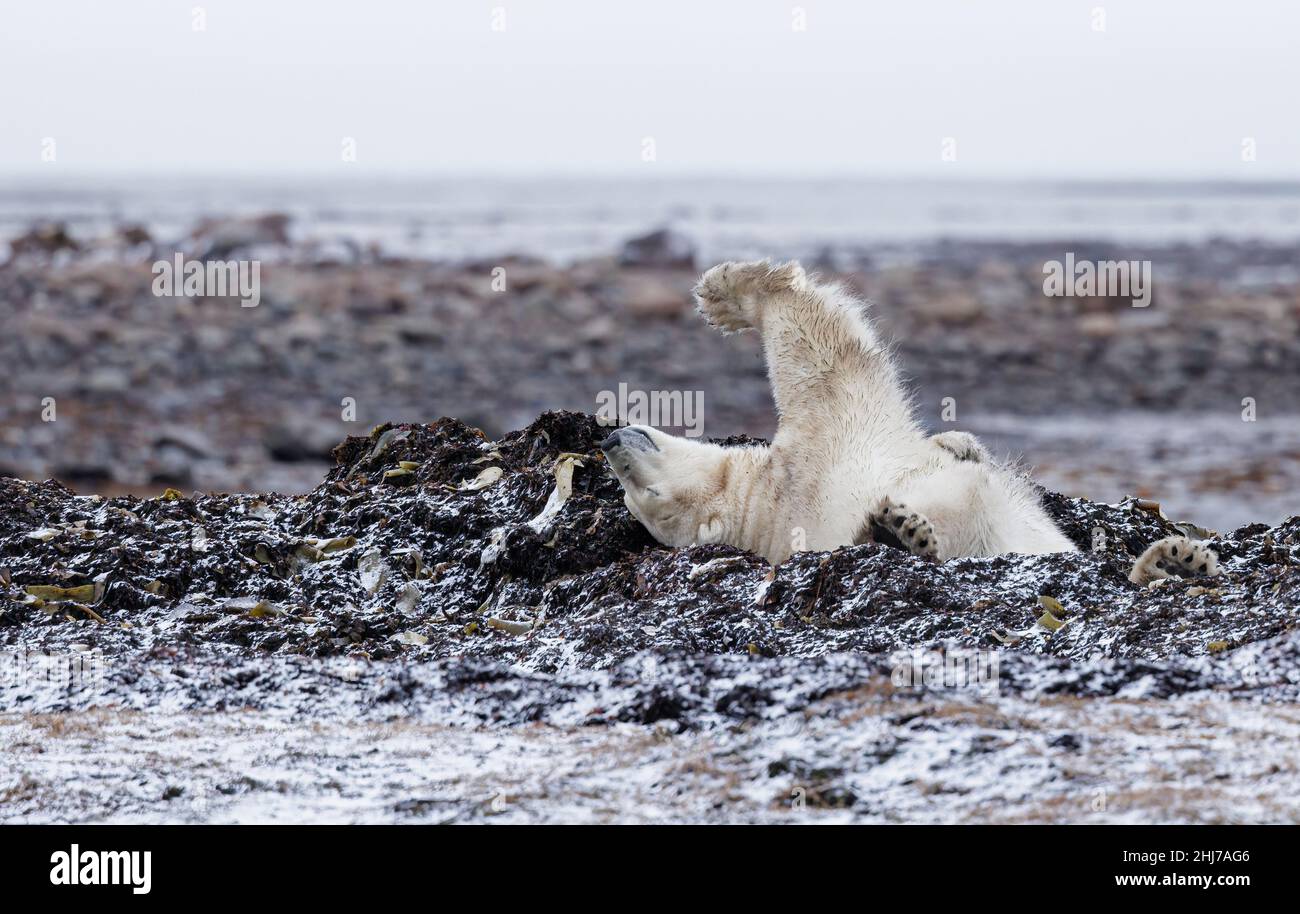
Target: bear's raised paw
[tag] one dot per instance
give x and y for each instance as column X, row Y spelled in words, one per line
column 731, row 295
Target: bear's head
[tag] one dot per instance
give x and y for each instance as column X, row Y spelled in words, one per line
column 680, row 489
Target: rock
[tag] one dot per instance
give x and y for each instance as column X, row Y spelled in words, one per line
column 1099, row 326
column 661, row 248
column 44, row 239
column 188, row 441
column 133, row 234
column 598, row 330
column 953, row 308
column 219, row 238
column 647, row 295
column 301, row 438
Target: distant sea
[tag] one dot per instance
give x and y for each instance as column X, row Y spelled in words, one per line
column 568, row 218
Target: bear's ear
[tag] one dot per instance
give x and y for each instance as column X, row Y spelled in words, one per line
column 710, row 531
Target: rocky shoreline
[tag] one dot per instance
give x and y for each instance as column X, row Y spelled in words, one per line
column 199, row 392
column 425, row 596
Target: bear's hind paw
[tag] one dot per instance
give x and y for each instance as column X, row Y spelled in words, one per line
column 1174, row 557
column 911, row 528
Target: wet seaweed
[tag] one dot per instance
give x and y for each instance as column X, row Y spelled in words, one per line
column 438, row 569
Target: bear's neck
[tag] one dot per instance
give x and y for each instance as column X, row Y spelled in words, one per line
column 754, row 502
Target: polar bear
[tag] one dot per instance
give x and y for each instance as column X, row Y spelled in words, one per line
column 849, row 461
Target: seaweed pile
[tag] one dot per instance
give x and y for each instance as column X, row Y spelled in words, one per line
column 431, row 541
column 438, row 575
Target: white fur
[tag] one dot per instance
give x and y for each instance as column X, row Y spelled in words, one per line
column 847, row 441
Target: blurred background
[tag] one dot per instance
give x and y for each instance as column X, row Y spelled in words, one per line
column 487, row 210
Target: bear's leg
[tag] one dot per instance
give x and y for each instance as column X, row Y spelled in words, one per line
column 1174, row 557
column 911, row 528
column 833, row 382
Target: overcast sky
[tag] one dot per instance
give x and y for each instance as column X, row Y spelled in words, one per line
column 1170, row 88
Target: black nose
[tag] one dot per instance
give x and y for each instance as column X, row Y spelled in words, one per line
column 611, row 441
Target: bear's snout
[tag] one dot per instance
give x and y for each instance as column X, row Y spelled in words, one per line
column 633, row 438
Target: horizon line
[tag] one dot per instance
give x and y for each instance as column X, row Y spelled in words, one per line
column 47, row 174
